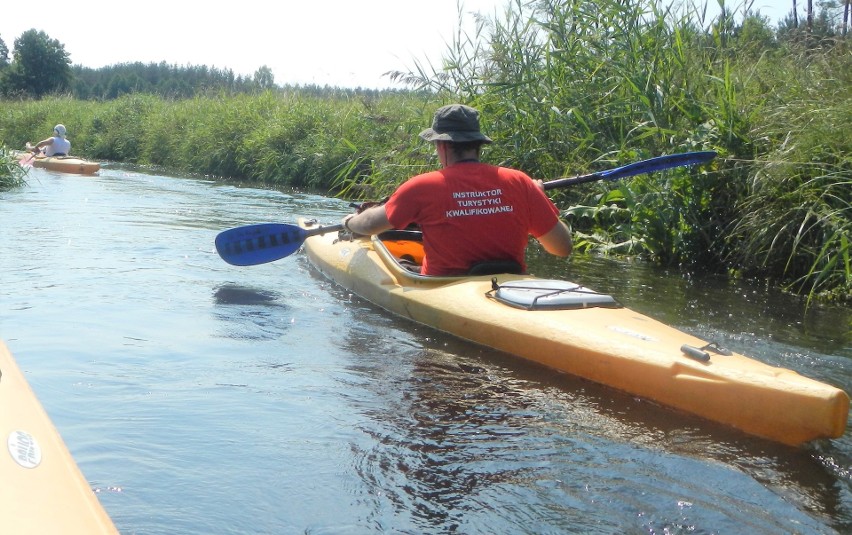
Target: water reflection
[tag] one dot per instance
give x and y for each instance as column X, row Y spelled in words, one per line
column 461, row 429
column 250, row 313
column 234, row 294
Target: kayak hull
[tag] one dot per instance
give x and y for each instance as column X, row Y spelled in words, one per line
column 617, row 347
column 66, row 164
column 42, row 490
column 61, row 164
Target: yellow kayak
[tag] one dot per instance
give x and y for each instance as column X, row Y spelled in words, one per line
column 575, row 330
column 67, row 164
column 41, row 488
column 62, row 164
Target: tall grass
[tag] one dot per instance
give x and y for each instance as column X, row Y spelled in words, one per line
column 796, row 216
column 12, row 175
column 573, row 86
column 285, row 139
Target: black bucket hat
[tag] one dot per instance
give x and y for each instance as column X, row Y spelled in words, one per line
column 456, row 122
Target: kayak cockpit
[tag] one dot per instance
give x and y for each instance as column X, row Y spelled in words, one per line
column 402, row 253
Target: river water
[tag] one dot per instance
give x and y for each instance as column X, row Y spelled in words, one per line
column 202, row 398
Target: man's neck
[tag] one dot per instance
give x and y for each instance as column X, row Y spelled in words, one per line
column 469, row 156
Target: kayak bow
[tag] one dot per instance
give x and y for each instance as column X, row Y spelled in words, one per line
column 42, row 490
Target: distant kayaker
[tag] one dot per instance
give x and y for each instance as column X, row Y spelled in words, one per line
column 56, row 145
column 470, row 212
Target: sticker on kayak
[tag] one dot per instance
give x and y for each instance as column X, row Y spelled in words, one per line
column 549, row 295
column 634, row 334
column 24, row 449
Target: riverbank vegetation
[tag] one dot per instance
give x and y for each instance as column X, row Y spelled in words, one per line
column 564, row 87
column 12, row 175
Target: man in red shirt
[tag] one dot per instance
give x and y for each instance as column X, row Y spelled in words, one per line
column 469, row 212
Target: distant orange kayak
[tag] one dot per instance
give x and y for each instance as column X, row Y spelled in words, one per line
column 41, row 488
column 63, row 164
column 67, row 164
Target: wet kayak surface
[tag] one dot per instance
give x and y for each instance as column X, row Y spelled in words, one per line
column 199, row 397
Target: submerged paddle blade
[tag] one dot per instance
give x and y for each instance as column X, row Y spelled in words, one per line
column 259, row 244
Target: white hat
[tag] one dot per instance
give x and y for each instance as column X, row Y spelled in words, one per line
column 59, row 129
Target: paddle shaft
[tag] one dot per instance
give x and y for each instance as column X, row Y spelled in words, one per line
column 323, row 230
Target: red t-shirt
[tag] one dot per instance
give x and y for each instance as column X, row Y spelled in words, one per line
column 472, row 212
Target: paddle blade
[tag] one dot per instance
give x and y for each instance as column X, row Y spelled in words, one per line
column 645, row 166
column 658, row 164
column 27, row 160
column 258, row 244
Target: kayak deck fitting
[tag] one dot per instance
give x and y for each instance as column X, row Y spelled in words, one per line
column 592, row 337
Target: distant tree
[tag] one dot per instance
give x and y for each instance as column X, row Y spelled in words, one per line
column 835, row 14
column 810, row 15
column 175, row 88
column 822, row 28
column 826, row 24
column 117, row 86
column 755, row 35
column 81, row 90
column 787, row 29
column 124, row 84
column 40, row 66
column 4, row 54
column 4, row 63
column 264, row 79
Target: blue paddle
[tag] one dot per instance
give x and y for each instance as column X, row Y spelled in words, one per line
column 266, row 242
column 645, row 166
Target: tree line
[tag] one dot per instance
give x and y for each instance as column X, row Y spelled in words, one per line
column 827, row 7
column 40, row 66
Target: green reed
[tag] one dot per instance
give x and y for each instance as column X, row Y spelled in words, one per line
column 279, row 138
column 570, row 86
column 12, row 175
column 796, row 215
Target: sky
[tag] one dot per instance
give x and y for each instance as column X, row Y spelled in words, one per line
column 345, row 43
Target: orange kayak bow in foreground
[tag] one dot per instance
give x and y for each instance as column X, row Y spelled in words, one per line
column 41, row 488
